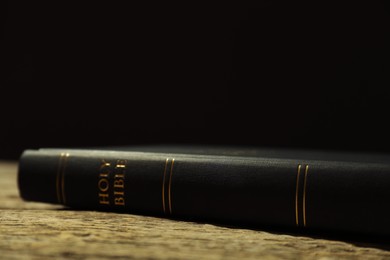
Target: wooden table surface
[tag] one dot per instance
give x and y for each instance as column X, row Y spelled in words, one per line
column 39, row 231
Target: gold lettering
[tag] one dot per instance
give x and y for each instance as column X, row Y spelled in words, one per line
column 103, row 175
column 109, row 186
column 121, row 164
column 119, row 201
column 119, row 183
column 103, row 185
column 104, row 199
column 119, row 193
column 105, row 169
column 104, row 164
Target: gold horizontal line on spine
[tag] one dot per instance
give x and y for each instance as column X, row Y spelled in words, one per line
column 163, row 185
column 304, row 195
column 170, row 187
column 296, row 196
column 66, row 156
column 60, row 178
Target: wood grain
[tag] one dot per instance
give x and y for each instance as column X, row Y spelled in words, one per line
column 42, row 231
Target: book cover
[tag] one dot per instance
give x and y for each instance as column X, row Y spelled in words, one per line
column 300, row 189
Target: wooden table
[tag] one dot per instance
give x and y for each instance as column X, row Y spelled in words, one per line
column 40, row 231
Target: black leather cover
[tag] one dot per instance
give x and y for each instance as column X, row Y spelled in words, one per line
column 285, row 189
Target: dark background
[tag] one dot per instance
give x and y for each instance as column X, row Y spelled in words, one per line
column 280, row 74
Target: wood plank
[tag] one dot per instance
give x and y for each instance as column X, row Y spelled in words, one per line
column 41, row 231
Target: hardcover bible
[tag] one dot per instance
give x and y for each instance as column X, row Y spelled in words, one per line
column 291, row 189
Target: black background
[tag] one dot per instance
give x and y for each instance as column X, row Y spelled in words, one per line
column 286, row 74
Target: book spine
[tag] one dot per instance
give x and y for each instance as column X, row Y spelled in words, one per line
column 246, row 191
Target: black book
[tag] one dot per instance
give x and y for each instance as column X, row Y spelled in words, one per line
column 299, row 189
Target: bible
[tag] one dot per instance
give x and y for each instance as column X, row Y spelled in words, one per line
column 303, row 190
